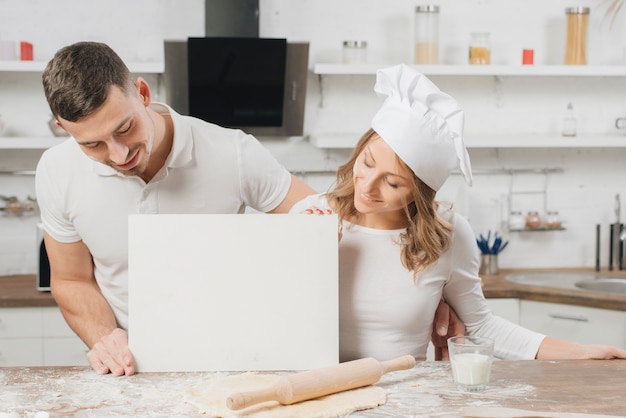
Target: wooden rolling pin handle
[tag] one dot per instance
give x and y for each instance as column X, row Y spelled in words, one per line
column 400, row 363
column 242, row 400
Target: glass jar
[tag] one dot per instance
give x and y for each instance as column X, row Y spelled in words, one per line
column 576, row 40
column 354, row 52
column 516, row 220
column 553, row 220
column 427, row 34
column 479, row 48
column 533, row 220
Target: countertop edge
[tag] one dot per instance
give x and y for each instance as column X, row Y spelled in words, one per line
column 21, row 291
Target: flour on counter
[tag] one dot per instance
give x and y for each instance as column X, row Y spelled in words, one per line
column 211, row 399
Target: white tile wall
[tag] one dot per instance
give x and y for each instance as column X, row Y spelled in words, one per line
column 583, row 193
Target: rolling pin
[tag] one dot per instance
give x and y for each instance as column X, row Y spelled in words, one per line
column 319, row 382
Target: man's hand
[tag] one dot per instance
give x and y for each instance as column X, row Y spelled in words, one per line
column 111, row 354
column 445, row 325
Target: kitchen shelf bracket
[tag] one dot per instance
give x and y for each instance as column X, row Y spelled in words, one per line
column 543, row 191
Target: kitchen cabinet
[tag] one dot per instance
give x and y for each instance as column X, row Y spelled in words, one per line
column 474, row 140
column 506, row 308
column 30, row 67
column 575, row 323
column 38, row 336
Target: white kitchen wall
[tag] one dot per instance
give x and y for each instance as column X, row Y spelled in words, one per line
column 583, row 192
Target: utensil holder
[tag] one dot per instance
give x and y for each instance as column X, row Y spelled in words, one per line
column 488, row 264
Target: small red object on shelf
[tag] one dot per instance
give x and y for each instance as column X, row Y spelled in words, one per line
column 26, row 51
column 528, row 56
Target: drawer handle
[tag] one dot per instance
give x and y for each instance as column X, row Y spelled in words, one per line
column 579, row 318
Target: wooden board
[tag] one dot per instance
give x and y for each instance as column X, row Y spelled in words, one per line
column 233, row 292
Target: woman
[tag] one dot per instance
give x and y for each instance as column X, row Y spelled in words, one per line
column 401, row 251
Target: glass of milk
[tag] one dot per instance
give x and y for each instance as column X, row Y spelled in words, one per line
column 470, row 359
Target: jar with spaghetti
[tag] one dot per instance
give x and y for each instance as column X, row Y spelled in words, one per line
column 479, row 48
column 576, row 40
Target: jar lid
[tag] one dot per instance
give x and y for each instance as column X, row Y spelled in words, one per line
column 355, row 44
column 427, row 8
column 577, row 10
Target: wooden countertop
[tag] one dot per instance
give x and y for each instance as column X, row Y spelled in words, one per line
column 20, row 291
column 575, row 386
column 498, row 287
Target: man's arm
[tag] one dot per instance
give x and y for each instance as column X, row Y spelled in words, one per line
column 298, row 190
column 74, row 287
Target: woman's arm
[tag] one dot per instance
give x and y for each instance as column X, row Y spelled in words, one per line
column 556, row 349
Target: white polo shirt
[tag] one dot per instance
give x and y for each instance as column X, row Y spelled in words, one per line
column 210, row 170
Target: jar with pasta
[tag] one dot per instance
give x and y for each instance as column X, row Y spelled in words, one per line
column 479, row 48
column 576, row 39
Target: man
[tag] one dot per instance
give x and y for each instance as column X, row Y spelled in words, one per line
column 131, row 155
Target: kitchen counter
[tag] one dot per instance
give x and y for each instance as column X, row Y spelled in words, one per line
column 498, row 287
column 20, row 291
column 578, row 386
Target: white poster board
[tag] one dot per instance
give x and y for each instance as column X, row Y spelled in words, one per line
column 233, row 292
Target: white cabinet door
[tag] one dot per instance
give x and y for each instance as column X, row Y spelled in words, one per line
column 507, row 308
column 575, row 323
column 20, row 322
column 64, row 351
column 20, row 337
column 61, row 346
column 16, row 352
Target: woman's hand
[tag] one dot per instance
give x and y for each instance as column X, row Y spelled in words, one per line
column 314, row 210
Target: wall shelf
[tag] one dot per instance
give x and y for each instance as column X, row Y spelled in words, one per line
column 44, row 142
column 482, row 70
column 542, row 229
column 349, row 140
column 39, row 66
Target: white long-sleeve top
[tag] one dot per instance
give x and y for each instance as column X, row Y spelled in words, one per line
column 385, row 313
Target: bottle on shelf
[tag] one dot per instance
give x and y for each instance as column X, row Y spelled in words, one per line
column 569, row 121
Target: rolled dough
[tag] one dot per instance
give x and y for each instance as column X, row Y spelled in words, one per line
column 211, row 399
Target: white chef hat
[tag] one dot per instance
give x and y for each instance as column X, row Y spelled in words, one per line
column 422, row 124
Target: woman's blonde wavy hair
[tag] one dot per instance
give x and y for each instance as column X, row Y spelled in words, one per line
column 427, row 235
